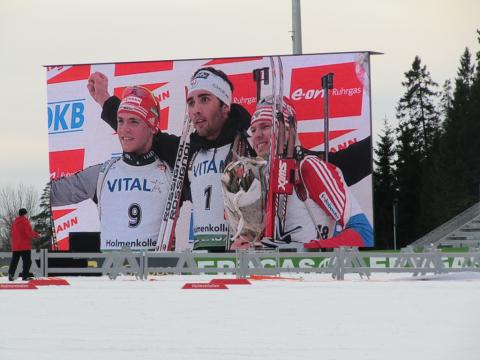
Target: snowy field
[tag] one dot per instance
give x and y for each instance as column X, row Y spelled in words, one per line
column 387, row 317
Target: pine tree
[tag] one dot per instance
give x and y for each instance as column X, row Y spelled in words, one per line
column 446, row 100
column 408, row 182
column 452, row 164
column 42, row 220
column 430, row 194
column 417, row 105
column 384, row 188
column 417, row 132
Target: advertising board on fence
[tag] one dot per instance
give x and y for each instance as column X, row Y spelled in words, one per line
column 79, row 138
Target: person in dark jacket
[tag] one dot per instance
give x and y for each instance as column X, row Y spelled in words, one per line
column 22, row 236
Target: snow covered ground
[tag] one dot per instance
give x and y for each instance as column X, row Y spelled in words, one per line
column 386, row 317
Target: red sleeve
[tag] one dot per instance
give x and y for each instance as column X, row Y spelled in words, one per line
column 347, row 237
column 325, row 186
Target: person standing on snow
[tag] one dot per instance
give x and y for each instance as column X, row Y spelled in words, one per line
column 22, row 236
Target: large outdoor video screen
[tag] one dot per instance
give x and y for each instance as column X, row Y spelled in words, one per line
column 79, row 138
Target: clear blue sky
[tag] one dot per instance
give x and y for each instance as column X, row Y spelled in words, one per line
column 35, row 33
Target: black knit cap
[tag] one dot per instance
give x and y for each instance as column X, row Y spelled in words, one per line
column 22, row 211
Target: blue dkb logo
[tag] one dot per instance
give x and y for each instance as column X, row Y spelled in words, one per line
column 66, row 116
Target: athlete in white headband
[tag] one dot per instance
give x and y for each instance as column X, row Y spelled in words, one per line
column 209, row 98
column 219, row 123
column 205, row 79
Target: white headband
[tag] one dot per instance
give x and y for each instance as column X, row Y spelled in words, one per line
column 206, row 80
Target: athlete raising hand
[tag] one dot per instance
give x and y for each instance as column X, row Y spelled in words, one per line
column 130, row 191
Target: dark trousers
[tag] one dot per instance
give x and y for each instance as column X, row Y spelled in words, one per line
column 26, row 259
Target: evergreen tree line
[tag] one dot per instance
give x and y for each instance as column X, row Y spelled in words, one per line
column 429, row 164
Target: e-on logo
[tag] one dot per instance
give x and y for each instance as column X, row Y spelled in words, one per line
column 66, row 116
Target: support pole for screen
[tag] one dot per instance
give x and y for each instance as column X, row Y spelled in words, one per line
column 296, row 28
column 327, row 84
